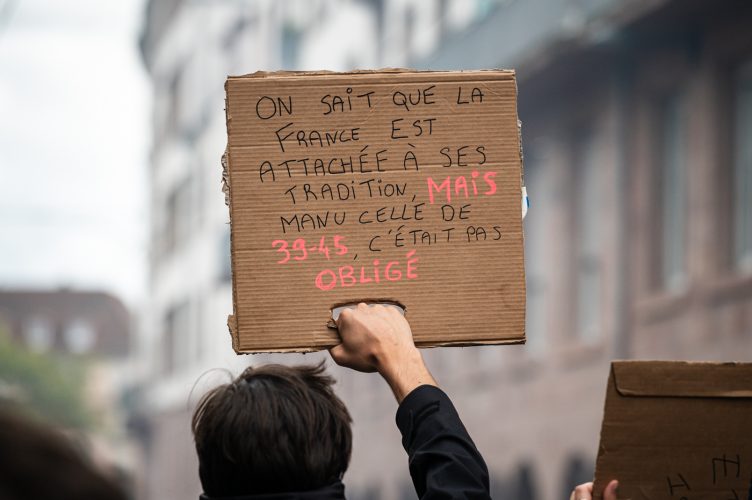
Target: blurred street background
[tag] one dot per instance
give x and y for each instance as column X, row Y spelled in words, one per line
column 114, row 238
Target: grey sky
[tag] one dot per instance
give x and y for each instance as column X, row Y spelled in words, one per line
column 74, row 131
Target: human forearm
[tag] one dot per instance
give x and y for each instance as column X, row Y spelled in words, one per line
column 406, row 374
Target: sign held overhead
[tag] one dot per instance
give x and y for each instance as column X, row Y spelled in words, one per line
column 395, row 186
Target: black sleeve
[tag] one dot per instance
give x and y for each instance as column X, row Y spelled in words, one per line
column 444, row 462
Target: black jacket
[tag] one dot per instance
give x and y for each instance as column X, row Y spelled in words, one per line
column 444, row 462
column 330, row 492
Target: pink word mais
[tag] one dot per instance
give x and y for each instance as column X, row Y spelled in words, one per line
column 479, row 186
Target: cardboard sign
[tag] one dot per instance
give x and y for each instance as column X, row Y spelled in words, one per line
column 393, row 186
column 677, row 430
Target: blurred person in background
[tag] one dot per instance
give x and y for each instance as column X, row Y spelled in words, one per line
column 280, row 432
column 39, row 462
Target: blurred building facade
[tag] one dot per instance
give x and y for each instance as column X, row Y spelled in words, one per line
column 637, row 133
column 67, row 321
column 93, row 331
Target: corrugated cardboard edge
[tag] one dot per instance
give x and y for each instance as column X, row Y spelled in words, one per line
column 232, row 326
column 682, row 379
column 522, row 186
column 232, row 323
column 522, row 154
column 280, row 350
column 284, row 73
column 322, row 347
column 226, row 160
column 597, row 487
column 226, row 177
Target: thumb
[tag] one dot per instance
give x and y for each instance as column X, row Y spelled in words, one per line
column 340, row 355
column 610, row 492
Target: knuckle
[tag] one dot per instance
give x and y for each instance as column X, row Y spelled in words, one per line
column 581, row 489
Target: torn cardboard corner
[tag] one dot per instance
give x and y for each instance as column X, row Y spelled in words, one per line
column 677, row 430
column 349, row 187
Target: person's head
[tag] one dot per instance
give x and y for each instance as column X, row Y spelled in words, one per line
column 39, row 461
column 273, row 429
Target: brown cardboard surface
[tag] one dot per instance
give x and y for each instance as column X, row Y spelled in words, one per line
column 360, row 218
column 677, row 430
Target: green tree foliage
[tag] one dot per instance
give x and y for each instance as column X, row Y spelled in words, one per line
column 47, row 386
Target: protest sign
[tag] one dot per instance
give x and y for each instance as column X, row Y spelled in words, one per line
column 677, row 430
column 395, row 186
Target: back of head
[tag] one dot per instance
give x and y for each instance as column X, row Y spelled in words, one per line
column 38, row 461
column 273, row 429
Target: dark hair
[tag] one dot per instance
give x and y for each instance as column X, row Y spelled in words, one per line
column 39, row 461
column 273, row 429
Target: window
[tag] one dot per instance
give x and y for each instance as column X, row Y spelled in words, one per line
column 225, row 267
column 535, row 258
column 519, row 483
column 173, row 111
column 39, row 334
column 525, row 486
column 232, row 35
column 742, row 175
column 410, row 21
column 578, row 469
column 178, row 208
column 588, row 230
column 168, row 343
column 291, row 41
column 176, row 341
column 670, row 188
column 483, row 8
column 79, row 336
column 198, row 328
